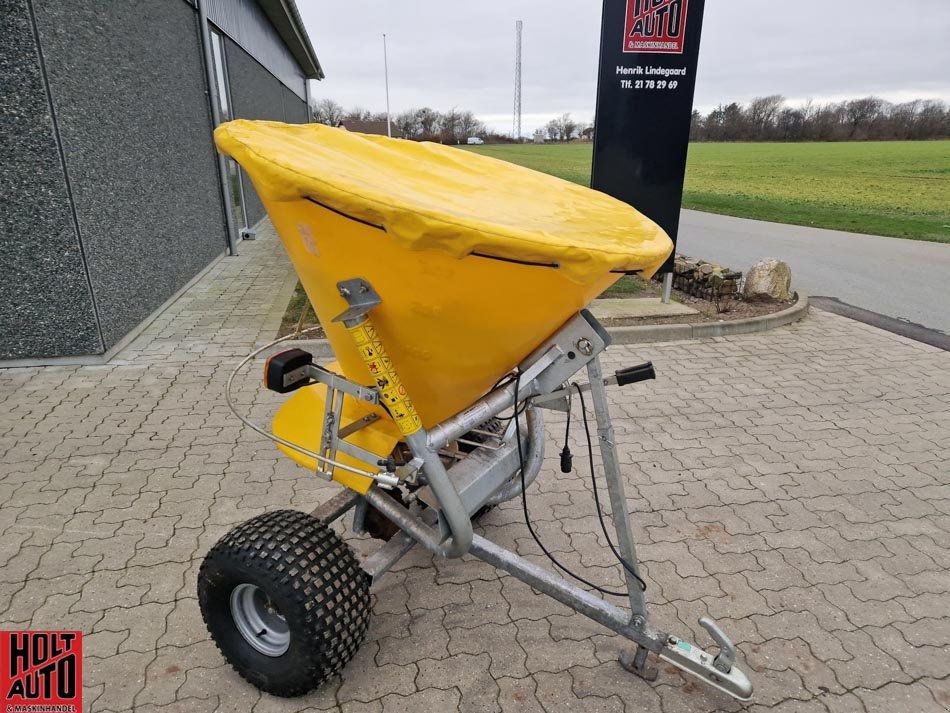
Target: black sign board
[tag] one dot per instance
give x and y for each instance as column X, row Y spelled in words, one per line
column 648, row 55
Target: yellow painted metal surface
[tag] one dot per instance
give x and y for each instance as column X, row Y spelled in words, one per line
column 452, row 327
column 442, row 236
column 299, row 418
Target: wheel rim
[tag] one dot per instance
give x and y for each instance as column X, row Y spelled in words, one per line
column 259, row 620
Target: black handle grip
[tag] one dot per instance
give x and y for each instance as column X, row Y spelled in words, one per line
column 633, row 374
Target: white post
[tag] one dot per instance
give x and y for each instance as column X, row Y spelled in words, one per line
column 389, row 126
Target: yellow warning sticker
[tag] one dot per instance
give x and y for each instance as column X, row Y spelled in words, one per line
column 392, row 393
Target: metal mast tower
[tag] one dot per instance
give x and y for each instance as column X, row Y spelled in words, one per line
column 516, row 119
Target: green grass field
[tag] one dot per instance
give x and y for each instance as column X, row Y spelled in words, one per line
column 899, row 188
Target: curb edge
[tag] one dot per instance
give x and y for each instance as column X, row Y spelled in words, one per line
column 674, row 332
column 656, row 332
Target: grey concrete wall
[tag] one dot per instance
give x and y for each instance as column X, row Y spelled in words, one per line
column 257, row 94
column 127, row 82
column 46, row 306
column 109, row 190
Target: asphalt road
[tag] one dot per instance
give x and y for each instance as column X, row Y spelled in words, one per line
column 904, row 279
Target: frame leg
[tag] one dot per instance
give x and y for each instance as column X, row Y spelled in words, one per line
column 618, row 499
column 636, row 662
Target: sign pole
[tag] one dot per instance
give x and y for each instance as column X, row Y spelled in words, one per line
column 648, row 55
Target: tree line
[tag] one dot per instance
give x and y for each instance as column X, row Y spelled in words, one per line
column 425, row 124
column 866, row 119
column 763, row 119
column 564, row 128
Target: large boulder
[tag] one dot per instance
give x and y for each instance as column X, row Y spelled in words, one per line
column 768, row 279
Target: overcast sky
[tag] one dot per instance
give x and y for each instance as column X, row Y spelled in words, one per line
column 448, row 53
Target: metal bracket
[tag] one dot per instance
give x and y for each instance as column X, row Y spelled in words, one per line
column 336, row 507
column 361, row 297
column 357, row 425
column 560, row 402
column 335, row 382
column 408, row 471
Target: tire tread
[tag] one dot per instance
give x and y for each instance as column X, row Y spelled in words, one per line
column 307, row 562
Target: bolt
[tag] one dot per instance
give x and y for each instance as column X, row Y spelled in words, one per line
column 584, row 346
column 345, row 291
column 637, row 622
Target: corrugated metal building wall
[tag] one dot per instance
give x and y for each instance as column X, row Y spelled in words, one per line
column 247, row 25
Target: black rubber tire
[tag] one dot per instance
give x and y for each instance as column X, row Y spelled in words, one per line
column 315, row 581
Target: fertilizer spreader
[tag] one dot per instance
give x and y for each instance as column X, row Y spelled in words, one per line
column 453, row 290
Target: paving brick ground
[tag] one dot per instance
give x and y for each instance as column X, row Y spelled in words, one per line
column 793, row 485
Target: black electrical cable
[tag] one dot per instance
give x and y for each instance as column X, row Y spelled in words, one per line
column 567, row 458
column 524, row 505
column 516, row 378
column 507, row 379
column 567, row 425
column 600, row 512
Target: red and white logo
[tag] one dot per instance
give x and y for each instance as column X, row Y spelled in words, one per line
column 655, row 26
column 40, row 671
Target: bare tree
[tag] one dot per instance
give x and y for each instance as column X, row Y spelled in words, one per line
column 790, row 124
column 933, row 120
column 470, row 126
column 697, row 126
column 763, row 113
column 327, row 111
column 568, row 127
column 428, row 123
column 861, row 113
column 408, row 124
column 449, row 132
column 563, row 128
column 358, row 113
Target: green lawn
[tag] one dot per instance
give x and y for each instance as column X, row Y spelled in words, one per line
column 899, row 188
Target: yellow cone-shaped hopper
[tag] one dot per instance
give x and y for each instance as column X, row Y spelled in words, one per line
column 477, row 261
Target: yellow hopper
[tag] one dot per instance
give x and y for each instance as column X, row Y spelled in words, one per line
column 477, row 260
column 435, row 273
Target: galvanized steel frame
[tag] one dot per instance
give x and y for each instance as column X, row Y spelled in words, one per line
column 445, row 528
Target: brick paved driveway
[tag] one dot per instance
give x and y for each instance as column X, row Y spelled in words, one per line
column 794, row 485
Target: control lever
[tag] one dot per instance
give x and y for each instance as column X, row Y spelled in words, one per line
column 633, row 374
column 727, row 650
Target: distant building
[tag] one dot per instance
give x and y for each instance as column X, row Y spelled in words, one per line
column 113, row 196
column 372, row 126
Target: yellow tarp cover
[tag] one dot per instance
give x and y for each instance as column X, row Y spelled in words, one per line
column 430, row 196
